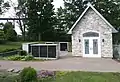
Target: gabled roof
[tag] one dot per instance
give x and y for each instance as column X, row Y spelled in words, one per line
column 90, row 6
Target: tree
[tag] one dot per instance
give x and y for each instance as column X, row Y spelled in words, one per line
column 41, row 19
column 61, row 26
column 2, row 36
column 4, row 6
column 0, row 5
column 9, row 32
column 11, row 35
column 110, row 9
column 7, row 25
column 21, row 12
column 71, row 11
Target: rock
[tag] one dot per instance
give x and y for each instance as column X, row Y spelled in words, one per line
column 10, row 70
column 16, row 71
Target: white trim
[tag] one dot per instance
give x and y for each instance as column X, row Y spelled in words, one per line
column 99, row 43
column 44, row 44
column 90, row 6
column 99, row 48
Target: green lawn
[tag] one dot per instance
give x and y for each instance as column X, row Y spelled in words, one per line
column 68, row 77
column 8, row 77
column 86, row 77
column 10, row 45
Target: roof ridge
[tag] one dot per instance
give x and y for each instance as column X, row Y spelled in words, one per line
column 80, row 17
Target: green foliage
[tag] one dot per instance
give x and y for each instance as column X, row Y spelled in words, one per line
column 28, row 75
column 21, row 13
column 22, row 53
column 28, row 58
column 2, row 37
column 41, row 14
column 20, row 58
column 4, row 6
column 110, row 9
column 15, row 57
column 7, row 25
column 11, row 35
column 69, row 14
column 0, row 6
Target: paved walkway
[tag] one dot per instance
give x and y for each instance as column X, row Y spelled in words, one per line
column 71, row 63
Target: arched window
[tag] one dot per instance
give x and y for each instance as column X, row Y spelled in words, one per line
column 91, row 34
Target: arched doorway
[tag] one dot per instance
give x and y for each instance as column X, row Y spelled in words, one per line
column 91, row 44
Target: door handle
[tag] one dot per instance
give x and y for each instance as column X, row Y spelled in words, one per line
column 91, row 48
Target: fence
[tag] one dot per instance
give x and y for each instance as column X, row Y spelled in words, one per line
column 4, row 54
column 116, row 51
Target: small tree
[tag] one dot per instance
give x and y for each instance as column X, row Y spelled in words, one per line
column 28, row 75
column 2, row 35
column 11, row 35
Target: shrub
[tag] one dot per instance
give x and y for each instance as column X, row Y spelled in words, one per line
column 2, row 41
column 28, row 75
column 19, row 58
column 28, row 57
column 15, row 57
column 22, row 53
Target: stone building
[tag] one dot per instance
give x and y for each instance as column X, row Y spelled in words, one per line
column 92, row 35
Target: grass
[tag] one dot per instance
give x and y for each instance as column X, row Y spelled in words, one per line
column 86, row 77
column 68, row 77
column 8, row 77
column 10, row 45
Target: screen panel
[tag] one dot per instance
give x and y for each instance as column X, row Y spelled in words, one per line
column 35, row 51
column 51, row 51
column 43, row 51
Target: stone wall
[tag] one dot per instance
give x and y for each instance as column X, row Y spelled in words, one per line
column 91, row 22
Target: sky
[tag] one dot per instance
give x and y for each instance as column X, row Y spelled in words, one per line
column 11, row 12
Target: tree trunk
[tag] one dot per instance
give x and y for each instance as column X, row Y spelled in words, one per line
column 24, row 31
column 20, row 23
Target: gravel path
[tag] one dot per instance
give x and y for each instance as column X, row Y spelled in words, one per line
column 67, row 64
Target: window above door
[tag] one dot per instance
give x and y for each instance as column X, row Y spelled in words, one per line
column 91, row 34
